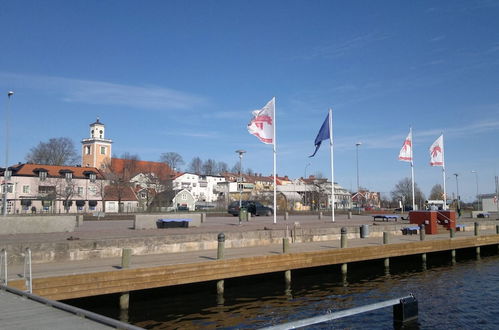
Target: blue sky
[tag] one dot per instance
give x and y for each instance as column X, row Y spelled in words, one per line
column 184, row 76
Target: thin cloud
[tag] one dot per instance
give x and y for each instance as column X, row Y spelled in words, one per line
column 106, row 93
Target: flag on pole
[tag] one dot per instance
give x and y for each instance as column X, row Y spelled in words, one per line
column 437, row 152
column 322, row 135
column 262, row 123
column 405, row 154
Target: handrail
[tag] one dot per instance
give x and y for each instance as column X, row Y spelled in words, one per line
column 4, row 277
column 339, row 314
column 446, row 218
column 27, row 274
column 74, row 310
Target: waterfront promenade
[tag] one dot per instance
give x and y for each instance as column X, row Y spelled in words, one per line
column 262, row 258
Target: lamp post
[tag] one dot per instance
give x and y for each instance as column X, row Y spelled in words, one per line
column 477, row 194
column 457, row 192
column 6, row 173
column 358, row 186
column 241, row 153
column 306, row 187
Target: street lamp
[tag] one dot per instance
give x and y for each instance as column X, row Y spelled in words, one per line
column 477, row 194
column 240, row 152
column 6, row 173
column 457, row 192
column 306, row 187
column 357, row 145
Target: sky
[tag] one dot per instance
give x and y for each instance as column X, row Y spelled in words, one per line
column 184, row 76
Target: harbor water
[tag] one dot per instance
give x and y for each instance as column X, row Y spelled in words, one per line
column 464, row 295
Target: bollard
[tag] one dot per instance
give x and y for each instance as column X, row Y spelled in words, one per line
column 126, row 254
column 285, row 245
column 320, row 215
column 349, row 214
column 343, row 242
column 203, row 217
column 248, row 218
column 452, row 232
column 477, row 228
column 386, row 239
column 220, row 255
column 422, row 232
column 221, row 246
column 286, row 215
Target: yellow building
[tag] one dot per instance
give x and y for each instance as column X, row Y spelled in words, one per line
column 96, row 150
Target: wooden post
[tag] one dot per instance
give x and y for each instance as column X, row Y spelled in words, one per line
column 477, row 228
column 386, row 240
column 343, row 245
column 126, row 254
column 320, row 215
column 453, row 256
column 423, row 260
column 349, row 214
column 220, row 255
column 287, row 273
column 478, row 253
column 203, row 217
column 286, row 215
column 422, row 232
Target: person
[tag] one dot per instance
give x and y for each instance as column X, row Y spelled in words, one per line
column 459, row 211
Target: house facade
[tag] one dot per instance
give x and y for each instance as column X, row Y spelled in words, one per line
column 202, row 187
column 36, row 188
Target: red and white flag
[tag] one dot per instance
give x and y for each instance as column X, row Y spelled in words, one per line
column 262, row 123
column 437, row 152
column 405, row 154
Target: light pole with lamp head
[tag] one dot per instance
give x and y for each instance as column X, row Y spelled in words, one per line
column 306, row 187
column 240, row 188
column 457, row 192
column 358, row 185
column 6, row 173
column 477, row 194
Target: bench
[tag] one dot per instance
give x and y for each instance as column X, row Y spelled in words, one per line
column 173, row 223
column 386, row 217
column 410, row 230
column 460, row 228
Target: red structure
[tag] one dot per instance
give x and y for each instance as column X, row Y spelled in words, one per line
column 433, row 220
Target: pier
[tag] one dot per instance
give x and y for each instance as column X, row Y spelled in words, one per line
column 98, row 276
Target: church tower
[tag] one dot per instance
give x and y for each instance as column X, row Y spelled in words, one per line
column 96, row 150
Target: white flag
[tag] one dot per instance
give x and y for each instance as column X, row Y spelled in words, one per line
column 262, row 123
column 405, row 154
column 437, row 152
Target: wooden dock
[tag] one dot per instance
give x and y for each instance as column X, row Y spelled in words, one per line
column 125, row 280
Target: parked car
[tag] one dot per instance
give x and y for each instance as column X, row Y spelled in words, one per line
column 253, row 207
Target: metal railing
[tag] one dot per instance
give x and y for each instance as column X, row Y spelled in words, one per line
column 3, row 268
column 27, row 274
column 345, row 313
column 73, row 310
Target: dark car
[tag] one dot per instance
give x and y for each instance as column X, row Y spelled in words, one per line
column 253, row 207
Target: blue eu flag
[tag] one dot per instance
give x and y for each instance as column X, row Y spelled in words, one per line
column 323, row 134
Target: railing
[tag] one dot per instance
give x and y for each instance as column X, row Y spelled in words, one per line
column 73, row 310
column 405, row 310
column 3, row 268
column 27, row 274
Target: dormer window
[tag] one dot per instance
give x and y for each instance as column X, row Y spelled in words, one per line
column 68, row 176
column 42, row 175
column 92, row 177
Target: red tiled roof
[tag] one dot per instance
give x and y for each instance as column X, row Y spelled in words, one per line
column 162, row 170
column 112, row 193
column 54, row 170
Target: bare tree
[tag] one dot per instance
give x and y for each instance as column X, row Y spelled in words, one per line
column 249, row 171
column 209, row 167
column 173, row 159
column 403, row 191
column 222, row 167
column 196, row 165
column 57, row 151
column 120, row 176
column 437, row 192
column 236, row 168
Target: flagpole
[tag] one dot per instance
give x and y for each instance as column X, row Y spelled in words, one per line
column 443, row 172
column 412, row 173
column 332, row 160
column 275, row 160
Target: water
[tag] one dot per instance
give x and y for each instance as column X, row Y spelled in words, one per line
column 465, row 295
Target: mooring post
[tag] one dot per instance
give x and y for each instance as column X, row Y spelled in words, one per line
column 349, row 214
column 320, row 215
column 422, row 232
column 126, row 254
column 220, row 255
column 287, row 273
column 286, row 215
column 477, row 228
column 452, row 232
column 453, row 256
column 343, row 245
column 203, row 217
column 386, row 240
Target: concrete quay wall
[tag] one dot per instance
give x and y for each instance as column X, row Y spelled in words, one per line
column 37, row 224
column 45, row 252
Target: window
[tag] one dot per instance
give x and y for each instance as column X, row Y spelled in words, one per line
column 102, row 150
column 101, row 133
column 42, row 175
column 10, row 188
column 87, row 150
column 143, row 195
column 92, row 177
column 26, row 189
column 68, row 175
column 184, row 197
column 80, row 191
column 46, row 189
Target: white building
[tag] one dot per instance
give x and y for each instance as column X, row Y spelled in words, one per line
column 202, row 187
